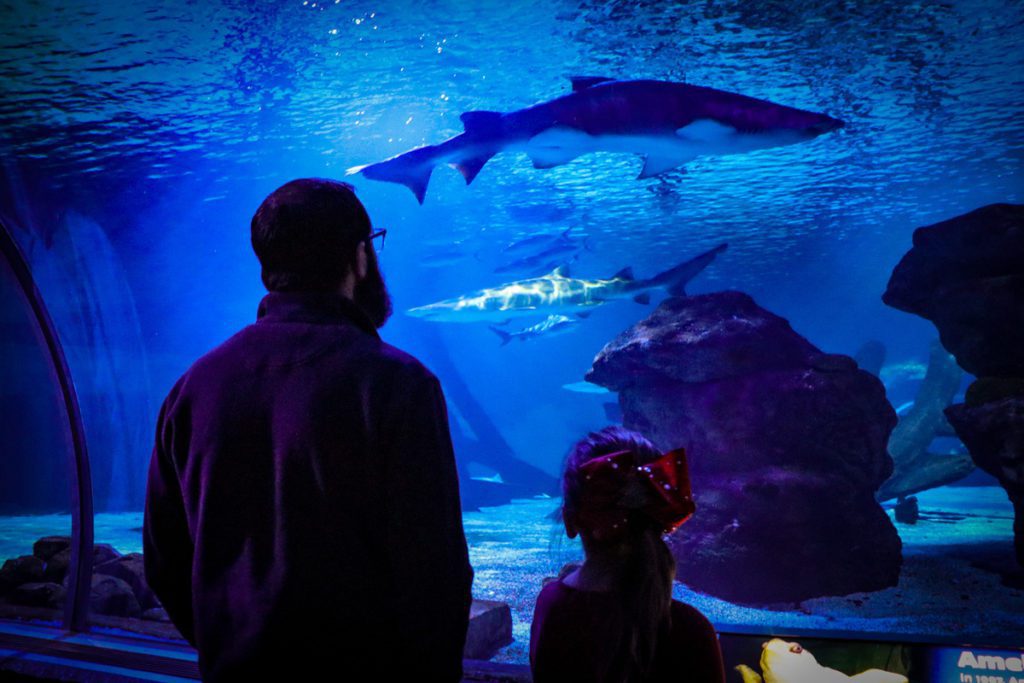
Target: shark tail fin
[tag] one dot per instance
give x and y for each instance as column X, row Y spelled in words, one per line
column 675, row 279
column 411, row 169
column 505, row 336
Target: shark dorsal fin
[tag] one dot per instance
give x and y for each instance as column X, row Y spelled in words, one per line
column 624, row 274
column 480, row 121
column 561, row 271
column 584, row 82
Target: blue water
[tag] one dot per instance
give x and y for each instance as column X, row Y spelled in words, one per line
column 166, row 125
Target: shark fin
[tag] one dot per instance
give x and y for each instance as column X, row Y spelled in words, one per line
column 643, row 299
column 396, row 170
column 561, row 271
column 505, row 336
column 655, row 165
column 481, row 121
column 583, row 315
column 624, row 274
column 469, row 168
column 584, row 82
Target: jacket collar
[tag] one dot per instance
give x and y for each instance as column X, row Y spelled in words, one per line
column 318, row 308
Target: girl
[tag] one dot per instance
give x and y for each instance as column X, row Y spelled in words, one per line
column 613, row 619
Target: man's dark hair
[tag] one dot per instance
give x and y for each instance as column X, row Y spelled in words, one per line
column 306, row 232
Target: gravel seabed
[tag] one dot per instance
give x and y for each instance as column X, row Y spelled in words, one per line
column 949, row 586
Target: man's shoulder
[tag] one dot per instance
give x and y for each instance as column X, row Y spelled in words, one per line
column 401, row 363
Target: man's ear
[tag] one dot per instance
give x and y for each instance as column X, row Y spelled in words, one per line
column 362, row 262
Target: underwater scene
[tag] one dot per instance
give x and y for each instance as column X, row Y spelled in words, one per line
column 785, row 236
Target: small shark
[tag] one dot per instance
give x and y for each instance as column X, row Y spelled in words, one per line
column 551, row 325
column 667, row 123
column 558, row 292
column 561, row 251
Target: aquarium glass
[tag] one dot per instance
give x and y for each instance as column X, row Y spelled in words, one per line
column 137, row 139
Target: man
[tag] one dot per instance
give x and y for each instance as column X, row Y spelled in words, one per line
column 302, row 515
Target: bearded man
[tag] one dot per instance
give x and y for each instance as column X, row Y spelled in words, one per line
column 302, row 512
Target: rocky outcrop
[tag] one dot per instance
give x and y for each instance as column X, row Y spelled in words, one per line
column 915, row 467
column 993, row 432
column 787, row 447
column 966, row 275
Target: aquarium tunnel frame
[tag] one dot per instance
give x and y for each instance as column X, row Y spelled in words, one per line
column 76, row 604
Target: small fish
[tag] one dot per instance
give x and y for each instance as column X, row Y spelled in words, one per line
column 667, row 123
column 559, row 292
column 550, row 326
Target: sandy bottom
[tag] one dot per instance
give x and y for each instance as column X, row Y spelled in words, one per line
column 952, row 585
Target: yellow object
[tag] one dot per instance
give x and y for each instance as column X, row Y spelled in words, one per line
column 783, row 662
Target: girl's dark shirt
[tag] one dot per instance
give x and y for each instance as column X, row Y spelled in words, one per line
column 564, row 648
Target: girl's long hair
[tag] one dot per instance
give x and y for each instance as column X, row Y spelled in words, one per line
column 644, row 587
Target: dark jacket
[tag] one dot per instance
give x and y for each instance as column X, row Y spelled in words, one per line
column 302, row 513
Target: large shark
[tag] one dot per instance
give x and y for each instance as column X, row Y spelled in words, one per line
column 668, row 123
column 560, row 293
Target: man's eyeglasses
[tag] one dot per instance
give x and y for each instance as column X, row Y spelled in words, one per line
column 382, row 234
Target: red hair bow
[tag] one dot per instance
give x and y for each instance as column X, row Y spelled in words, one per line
column 608, row 482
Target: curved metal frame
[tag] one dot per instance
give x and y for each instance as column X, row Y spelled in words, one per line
column 76, row 605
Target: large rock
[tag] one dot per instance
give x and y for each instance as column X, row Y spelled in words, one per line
column 966, row 275
column 114, row 597
column 57, row 566
column 749, row 339
column 787, row 447
column 490, row 629
column 18, row 571
column 48, row 546
column 131, row 569
column 49, row 595
column 993, row 432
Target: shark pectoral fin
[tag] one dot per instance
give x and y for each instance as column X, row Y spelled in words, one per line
column 469, row 168
column 583, row 315
column 643, row 299
column 624, row 274
column 656, row 165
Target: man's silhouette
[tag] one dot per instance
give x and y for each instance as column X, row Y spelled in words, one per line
column 302, row 514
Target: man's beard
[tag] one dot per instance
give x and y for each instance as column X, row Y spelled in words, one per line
column 371, row 294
